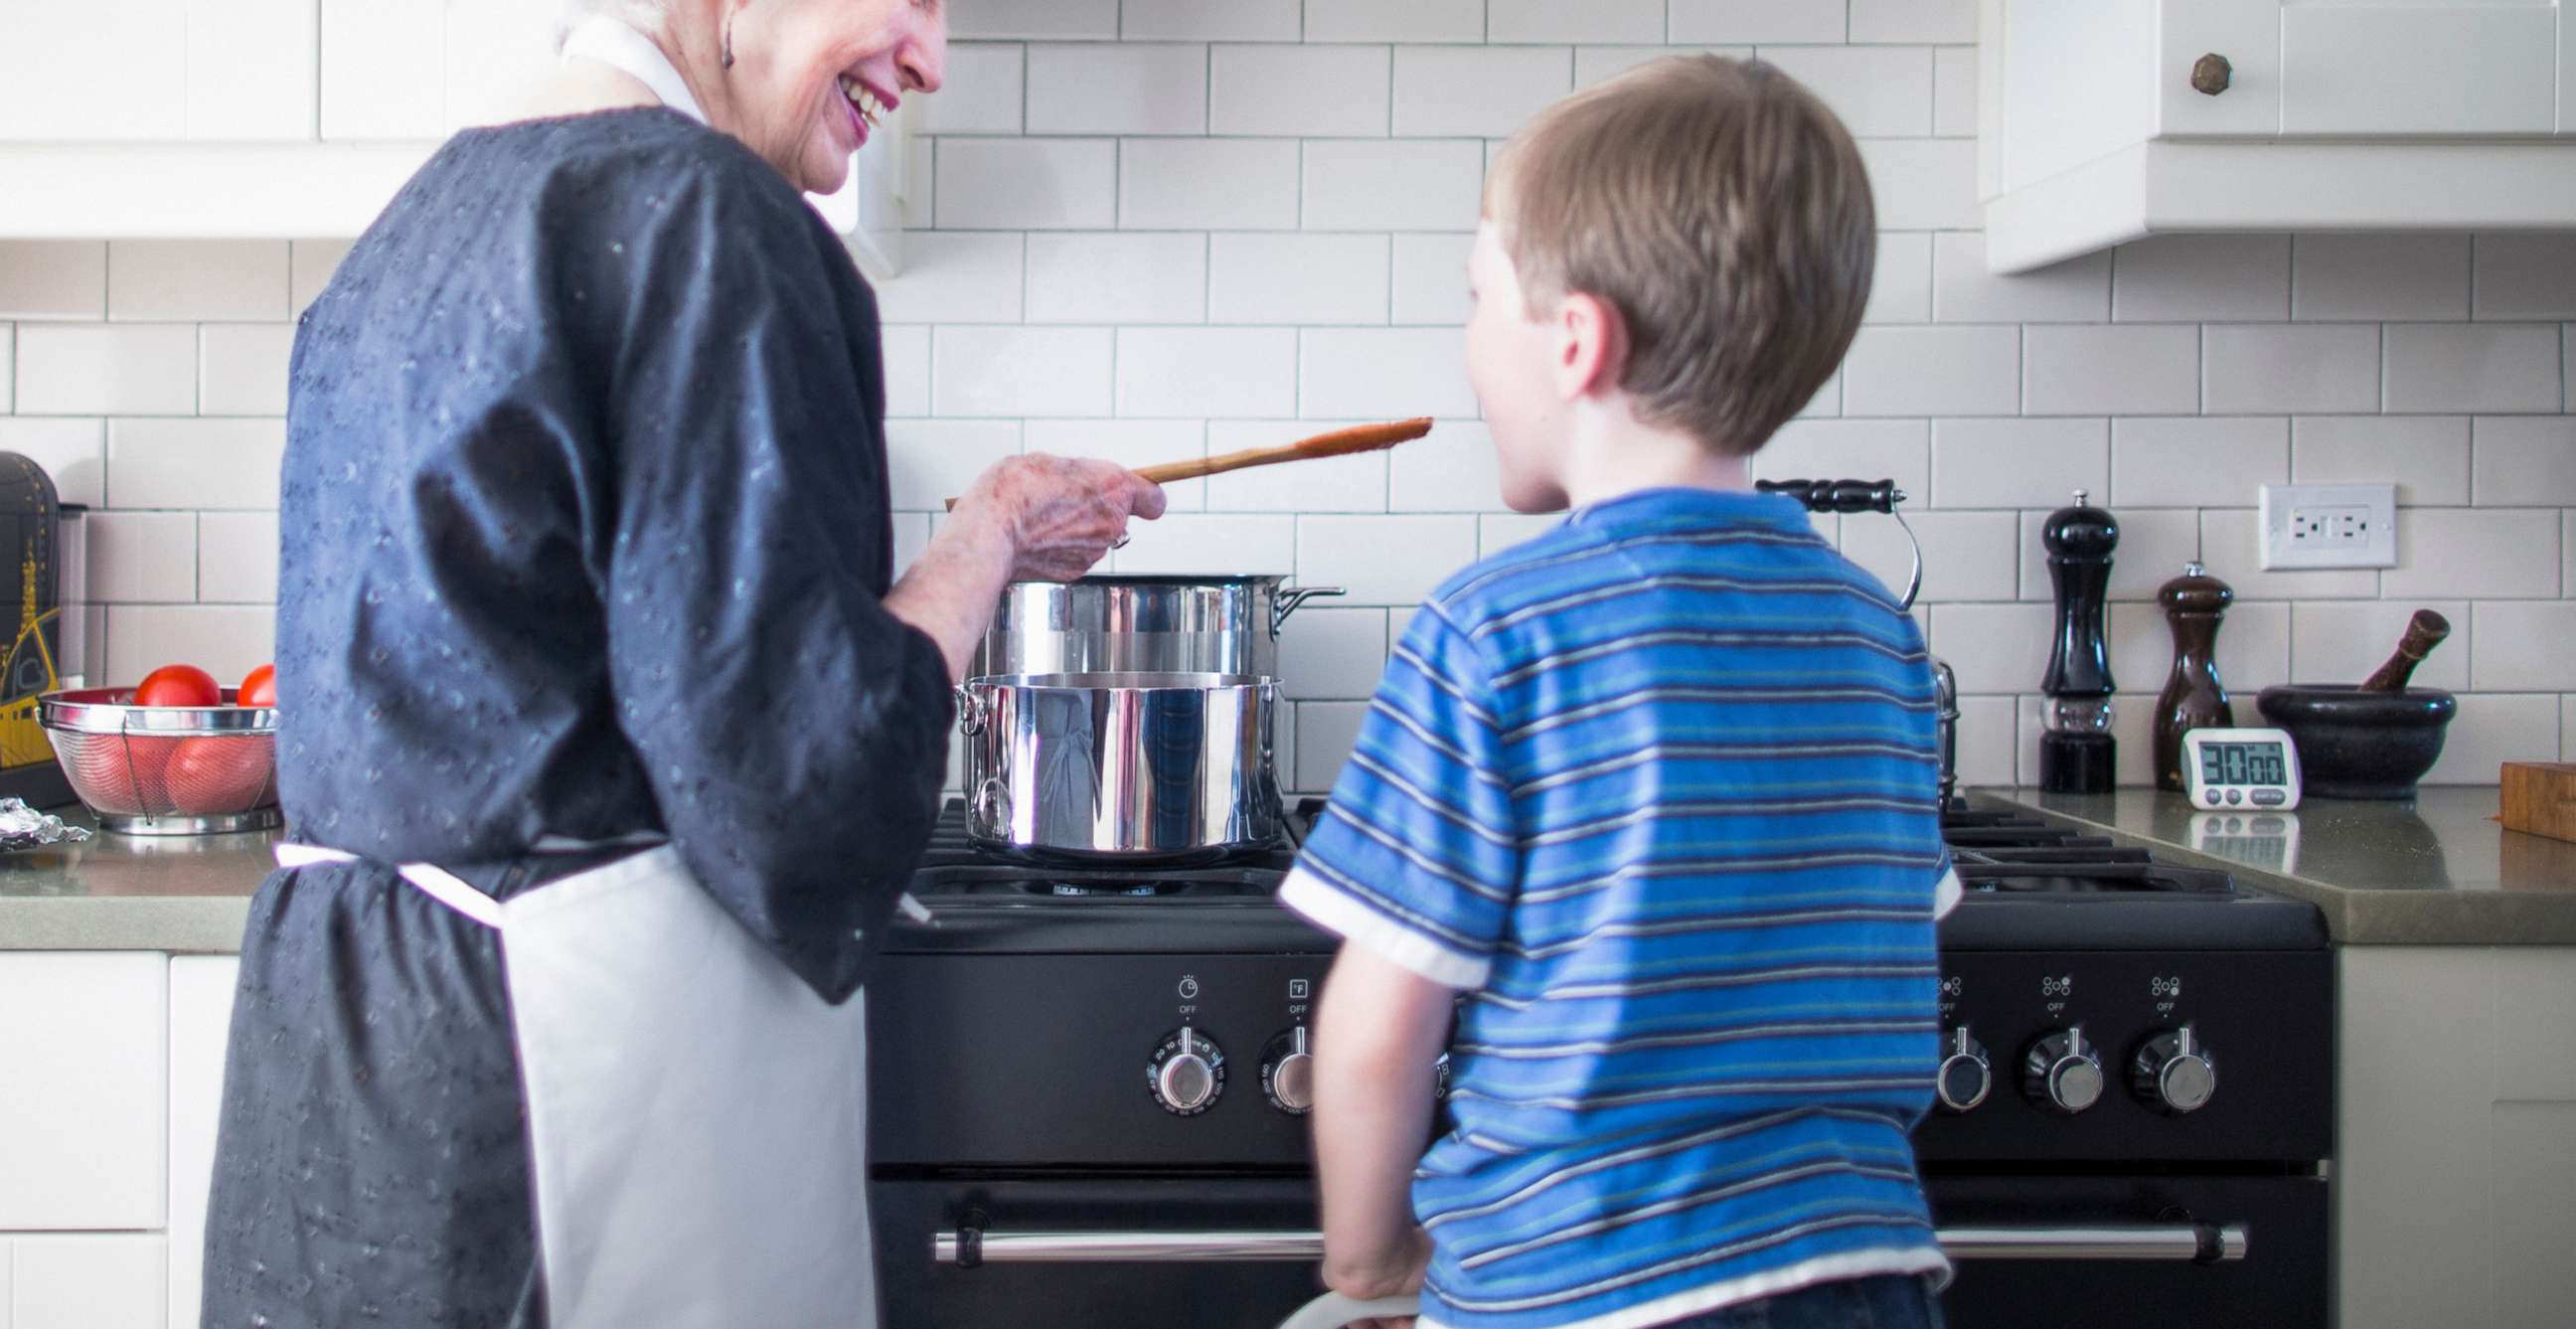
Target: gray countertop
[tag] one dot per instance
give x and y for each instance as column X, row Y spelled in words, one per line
column 131, row 892
column 2434, row 870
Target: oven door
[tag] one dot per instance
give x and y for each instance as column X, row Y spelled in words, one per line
column 2268, row 1266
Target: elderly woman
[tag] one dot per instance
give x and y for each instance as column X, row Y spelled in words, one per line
column 608, row 746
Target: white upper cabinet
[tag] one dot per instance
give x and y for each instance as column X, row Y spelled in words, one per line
column 101, row 70
column 2111, row 120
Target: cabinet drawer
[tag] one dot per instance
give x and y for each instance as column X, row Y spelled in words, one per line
column 2247, row 34
column 83, row 1091
column 2418, row 69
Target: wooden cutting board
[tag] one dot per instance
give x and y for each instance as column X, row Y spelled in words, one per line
column 2539, row 797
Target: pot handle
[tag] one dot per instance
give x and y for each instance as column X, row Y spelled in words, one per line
column 970, row 711
column 1289, row 598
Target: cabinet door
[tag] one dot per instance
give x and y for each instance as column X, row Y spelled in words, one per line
column 87, row 1281
column 86, row 71
column 201, row 1012
column 2245, row 33
column 384, row 69
column 83, row 1090
column 2418, row 69
column 251, row 69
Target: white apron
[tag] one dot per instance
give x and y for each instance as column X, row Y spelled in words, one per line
column 697, row 1116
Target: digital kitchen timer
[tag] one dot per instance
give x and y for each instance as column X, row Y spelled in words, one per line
column 2240, row 768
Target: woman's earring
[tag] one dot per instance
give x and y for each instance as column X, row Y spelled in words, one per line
column 728, row 46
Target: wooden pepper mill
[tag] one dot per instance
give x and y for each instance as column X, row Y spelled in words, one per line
column 2193, row 698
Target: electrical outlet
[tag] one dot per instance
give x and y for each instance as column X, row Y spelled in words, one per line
column 2329, row 526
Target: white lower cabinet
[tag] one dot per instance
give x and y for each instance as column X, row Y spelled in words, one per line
column 86, row 1280
column 201, row 1009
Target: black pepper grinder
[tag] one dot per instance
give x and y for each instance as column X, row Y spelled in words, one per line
column 2193, row 698
column 2078, row 755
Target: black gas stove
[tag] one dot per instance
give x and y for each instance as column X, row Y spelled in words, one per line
column 2131, row 1120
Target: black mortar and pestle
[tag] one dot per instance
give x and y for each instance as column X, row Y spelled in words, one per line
column 2374, row 740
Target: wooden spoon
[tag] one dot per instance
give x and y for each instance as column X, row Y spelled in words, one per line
column 1338, row 443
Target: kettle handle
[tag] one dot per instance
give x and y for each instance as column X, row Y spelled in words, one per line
column 1288, row 598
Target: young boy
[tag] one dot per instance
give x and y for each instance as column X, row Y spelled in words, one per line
column 1651, row 796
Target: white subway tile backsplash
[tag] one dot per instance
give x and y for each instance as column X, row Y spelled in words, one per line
column 1016, row 183
column 2185, row 278
column 1117, row 88
column 1763, row 21
column 2379, row 276
column 1590, row 21
column 1210, row 20
column 2473, row 367
column 2228, row 544
column 2474, row 553
column 1933, row 371
column 2343, row 642
column 2087, row 369
column 2523, row 274
column 311, row 263
column 1297, row 278
column 1828, row 400
column 179, row 280
column 1964, row 291
column 2280, row 368
column 1384, row 560
column 906, row 352
column 1431, row 279
column 2011, row 463
column 1950, row 21
column 205, row 464
column 1993, row 647
column 1118, row 277
column 1922, row 184
column 2154, row 545
column 227, row 641
column 1486, row 91
column 1496, row 532
column 1222, row 543
column 1411, row 21
column 241, row 368
column 72, row 452
column 2253, row 652
column 1331, row 654
column 106, row 368
column 1299, row 91
column 1393, row 186
column 2522, row 646
column 1328, row 484
column 932, row 461
column 1966, row 555
column 1954, row 92
column 954, row 277
column 1035, row 18
column 1134, row 444
column 1900, row 290
column 1898, row 450
column 143, row 557
column 53, row 279
column 1207, row 372
column 1382, row 373
column 1326, row 733
column 1230, row 184
column 981, row 93
column 2425, row 456
column 2197, row 462
column 1876, row 91
column 1007, row 371
column 236, row 558
column 1986, row 733
column 1453, row 470
column 2492, row 729
column 8, row 367
column 2523, row 461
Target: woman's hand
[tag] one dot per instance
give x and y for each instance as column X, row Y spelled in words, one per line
column 1061, row 516
column 1387, row 1273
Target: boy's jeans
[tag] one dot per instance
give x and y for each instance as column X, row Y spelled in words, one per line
column 1893, row 1301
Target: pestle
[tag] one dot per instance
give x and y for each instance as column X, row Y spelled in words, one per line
column 2423, row 632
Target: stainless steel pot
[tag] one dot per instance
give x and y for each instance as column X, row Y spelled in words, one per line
column 1119, row 766
column 1135, row 624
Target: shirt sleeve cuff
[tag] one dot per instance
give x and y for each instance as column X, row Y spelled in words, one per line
column 1349, row 917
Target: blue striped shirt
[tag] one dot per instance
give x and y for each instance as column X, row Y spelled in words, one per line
column 1656, row 792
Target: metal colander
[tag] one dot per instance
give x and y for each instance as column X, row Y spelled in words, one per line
column 165, row 770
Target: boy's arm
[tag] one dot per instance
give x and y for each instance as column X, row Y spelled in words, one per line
column 1378, row 1030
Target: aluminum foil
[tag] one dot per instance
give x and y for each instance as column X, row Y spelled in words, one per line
column 23, row 827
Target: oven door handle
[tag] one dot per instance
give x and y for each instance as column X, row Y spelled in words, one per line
column 967, row 1247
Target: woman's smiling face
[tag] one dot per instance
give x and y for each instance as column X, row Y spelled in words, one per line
column 811, row 78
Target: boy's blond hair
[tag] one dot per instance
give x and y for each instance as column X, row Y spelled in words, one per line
column 1723, row 211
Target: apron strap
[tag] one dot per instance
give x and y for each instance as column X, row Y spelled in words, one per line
column 436, row 882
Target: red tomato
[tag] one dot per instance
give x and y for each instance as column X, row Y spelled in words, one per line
column 259, row 689
column 122, row 776
column 213, row 775
column 178, row 685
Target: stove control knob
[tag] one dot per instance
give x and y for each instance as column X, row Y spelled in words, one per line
column 1965, row 1074
column 2173, row 1073
column 1288, row 1073
column 2063, row 1072
column 1186, row 1074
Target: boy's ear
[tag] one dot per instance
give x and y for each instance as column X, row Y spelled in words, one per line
column 1592, row 345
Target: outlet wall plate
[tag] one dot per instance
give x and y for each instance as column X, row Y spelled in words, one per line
column 2328, row 526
